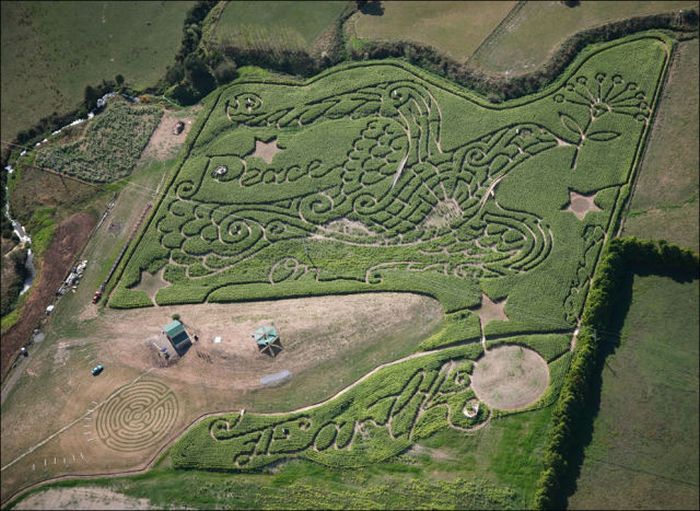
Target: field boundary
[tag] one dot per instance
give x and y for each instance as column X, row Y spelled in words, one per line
column 624, row 257
column 503, row 87
column 498, row 30
column 134, row 240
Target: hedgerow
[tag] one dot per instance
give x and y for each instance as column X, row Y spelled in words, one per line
column 623, row 257
column 501, row 88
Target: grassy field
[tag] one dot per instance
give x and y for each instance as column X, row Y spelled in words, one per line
column 665, row 201
column 276, row 24
column 47, row 62
column 644, row 451
column 456, row 28
column 540, row 27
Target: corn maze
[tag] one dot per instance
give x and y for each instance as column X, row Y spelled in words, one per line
column 381, row 416
column 375, row 420
column 377, row 176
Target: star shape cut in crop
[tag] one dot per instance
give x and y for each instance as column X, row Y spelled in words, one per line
column 580, row 204
column 491, row 311
column 266, row 150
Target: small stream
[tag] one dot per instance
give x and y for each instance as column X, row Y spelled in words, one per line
column 24, row 239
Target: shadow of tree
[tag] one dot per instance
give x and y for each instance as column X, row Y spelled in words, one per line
column 370, row 7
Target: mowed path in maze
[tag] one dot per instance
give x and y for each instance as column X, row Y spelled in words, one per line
column 138, row 416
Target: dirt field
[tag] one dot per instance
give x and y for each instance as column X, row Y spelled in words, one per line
column 491, row 311
column 313, row 331
column 510, row 377
column 70, row 237
column 266, row 150
column 82, row 498
column 163, row 144
column 581, row 205
column 121, row 419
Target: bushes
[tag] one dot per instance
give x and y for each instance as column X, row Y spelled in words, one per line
column 623, row 257
column 15, row 279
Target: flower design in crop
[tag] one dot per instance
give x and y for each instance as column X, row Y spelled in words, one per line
column 604, row 95
column 600, row 96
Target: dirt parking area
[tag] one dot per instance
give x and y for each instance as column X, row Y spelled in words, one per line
column 313, row 331
column 82, row 498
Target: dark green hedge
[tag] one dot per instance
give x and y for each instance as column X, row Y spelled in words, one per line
column 605, row 305
column 497, row 87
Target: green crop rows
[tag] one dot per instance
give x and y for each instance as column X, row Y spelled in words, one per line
column 384, row 178
column 376, row 176
column 379, row 417
column 110, row 147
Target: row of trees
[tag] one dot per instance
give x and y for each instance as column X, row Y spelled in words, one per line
column 498, row 88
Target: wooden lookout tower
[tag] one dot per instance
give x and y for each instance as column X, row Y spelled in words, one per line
column 267, row 339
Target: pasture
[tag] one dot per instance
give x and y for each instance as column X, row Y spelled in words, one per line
column 645, row 434
column 665, row 200
column 275, row 24
column 455, row 28
column 539, row 28
column 47, row 62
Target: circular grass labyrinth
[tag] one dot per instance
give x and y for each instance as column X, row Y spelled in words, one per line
column 510, row 377
column 138, row 416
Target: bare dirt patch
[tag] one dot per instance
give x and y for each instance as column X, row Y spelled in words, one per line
column 82, row 498
column 348, row 227
column 151, row 283
column 163, row 143
column 69, row 239
column 444, row 213
column 510, row 377
column 580, row 205
column 312, row 332
column 266, row 150
column 491, row 311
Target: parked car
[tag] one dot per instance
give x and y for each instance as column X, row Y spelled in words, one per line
column 97, row 369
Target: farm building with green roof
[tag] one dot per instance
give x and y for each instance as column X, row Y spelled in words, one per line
column 176, row 334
